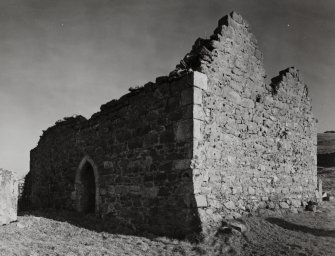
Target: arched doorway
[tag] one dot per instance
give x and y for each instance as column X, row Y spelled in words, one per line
column 87, row 187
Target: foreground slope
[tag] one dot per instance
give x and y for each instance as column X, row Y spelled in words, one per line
column 305, row 234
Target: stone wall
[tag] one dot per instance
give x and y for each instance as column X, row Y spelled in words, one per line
column 258, row 142
column 140, row 148
column 8, row 197
column 210, row 141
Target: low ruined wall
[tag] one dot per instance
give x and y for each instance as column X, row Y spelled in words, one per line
column 8, row 197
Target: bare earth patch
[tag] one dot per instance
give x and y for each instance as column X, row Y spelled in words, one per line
column 307, row 233
column 301, row 234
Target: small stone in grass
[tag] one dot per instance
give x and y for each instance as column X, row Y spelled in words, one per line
column 238, row 225
column 20, row 225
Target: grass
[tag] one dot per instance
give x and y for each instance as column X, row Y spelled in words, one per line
column 62, row 233
column 36, row 235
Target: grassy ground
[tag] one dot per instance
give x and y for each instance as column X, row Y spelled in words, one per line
column 301, row 234
column 67, row 233
column 41, row 236
column 307, row 233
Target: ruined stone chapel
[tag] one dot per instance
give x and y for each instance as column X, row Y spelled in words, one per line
column 210, row 141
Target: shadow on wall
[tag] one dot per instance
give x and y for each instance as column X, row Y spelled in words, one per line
column 138, row 150
column 87, row 193
column 174, row 219
column 171, row 210
column 24, row 200
column 299, row 228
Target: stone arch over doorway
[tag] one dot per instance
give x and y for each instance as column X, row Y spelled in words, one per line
column 87, row 187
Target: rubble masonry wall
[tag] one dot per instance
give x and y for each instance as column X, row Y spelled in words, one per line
column 210, row 141
column 257, row 148
column 142, row 148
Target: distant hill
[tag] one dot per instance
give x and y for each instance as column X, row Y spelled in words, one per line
column 326, row 142
column 326, row 149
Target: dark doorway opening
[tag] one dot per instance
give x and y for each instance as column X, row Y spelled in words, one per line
column 88, row 189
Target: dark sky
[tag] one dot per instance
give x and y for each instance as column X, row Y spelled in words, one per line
column 65, row 57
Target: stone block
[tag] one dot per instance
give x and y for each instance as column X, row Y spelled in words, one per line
column 182, row 164
column 201, row 201
column 199, row 113
column 73, row 195
column 187, row 96
column 234, row 97
column 197, row 129
column 197, row 96
column 8, row 197
column 149, row 192
column 251, row 191
column 199, row 80
column 271, row 205
column 230, row 205
column 184, row 130
column 150, row 139
column 239, row 225
column 135, row 189
column 108, row 165
column 103, row 191
column 284, row 205
column 248, row 103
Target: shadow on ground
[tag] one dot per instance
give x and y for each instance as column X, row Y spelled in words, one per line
column 87, row 221
column 221, row 242
column 299, row 228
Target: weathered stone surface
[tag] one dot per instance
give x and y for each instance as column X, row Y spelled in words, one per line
column 184, row 130
column 257, row 137
column 200, row 80
column 284, row 205
column 8, row 197
column 212, row 140
column 201, row 200
column 230, row 205
column 311, row 207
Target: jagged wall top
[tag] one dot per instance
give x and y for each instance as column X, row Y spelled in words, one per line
column 231, row 49
column 203, row 50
